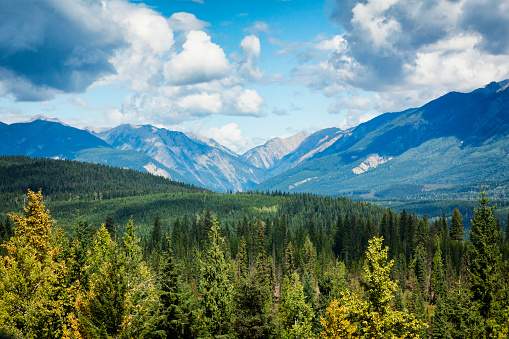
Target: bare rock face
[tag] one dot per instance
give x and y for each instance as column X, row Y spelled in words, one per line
column 265, row 156
column 200, row 161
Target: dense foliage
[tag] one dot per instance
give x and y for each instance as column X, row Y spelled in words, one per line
column 198, row 264
column 255, row 279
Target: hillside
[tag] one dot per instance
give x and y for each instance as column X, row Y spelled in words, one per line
column 64, row 180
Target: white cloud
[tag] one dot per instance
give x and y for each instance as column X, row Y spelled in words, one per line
column 200, row 61
column 203, row 103
column 250, row 102
column 355, row 117
column 375, row 26
column 250, row 46
column 405, row 52
column 186, row 22
column 258, row 27
column 173, row 69
column 150, row 40
column 248, row 66
column 79, row 102
column 230, row 136
column 358, row 103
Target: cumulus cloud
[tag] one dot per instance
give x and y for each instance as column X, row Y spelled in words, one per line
column 230, row 136
column 250, row 102
column 200, row 61
column 186, row 22
column 397, row 48
column 171, row 66
column 250, row 47
column 392, row 40
column 48, row 47
column 204, row 103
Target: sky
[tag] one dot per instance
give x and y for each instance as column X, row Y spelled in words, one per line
column 243, row 72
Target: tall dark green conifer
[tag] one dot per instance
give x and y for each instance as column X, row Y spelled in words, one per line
column 110, row 226
column 457, row 226
column 485, row 261
column 254, row 317
column 176, row 314
column 216, row 288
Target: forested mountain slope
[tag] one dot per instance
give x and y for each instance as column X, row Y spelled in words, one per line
column 64, row 180
column 456, row 139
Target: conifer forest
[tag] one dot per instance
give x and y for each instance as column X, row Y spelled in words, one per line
column 184, row 262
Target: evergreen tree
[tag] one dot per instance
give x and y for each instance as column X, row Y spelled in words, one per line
column 103, row 312
column 176, row 313
column 440, row 326
column 437, row 275
column 33, row 294
column 457, row 226
column 485, row 261
column 420, row 269
column 253, row 313
column 216, row 288
column 295, row 314
column 155, row 234
column 373, row 315
column 110, row 226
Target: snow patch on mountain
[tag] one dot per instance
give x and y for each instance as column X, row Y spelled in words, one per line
column 371, row 162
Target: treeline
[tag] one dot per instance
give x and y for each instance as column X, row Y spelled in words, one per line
column 318, row 276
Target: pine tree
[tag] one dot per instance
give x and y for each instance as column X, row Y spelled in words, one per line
column 289, row 259
column 420, row 269
column 437, row 275
column 440, row 326
column 457, row 226
column 485, row 258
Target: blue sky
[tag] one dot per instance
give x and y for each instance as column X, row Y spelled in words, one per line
column 243, row 71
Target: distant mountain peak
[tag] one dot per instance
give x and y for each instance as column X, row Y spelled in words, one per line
column 45, row 118
column 493, row 87
column 265, row 156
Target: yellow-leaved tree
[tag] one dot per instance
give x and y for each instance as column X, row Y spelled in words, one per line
column 372, row 316
column 33, row 293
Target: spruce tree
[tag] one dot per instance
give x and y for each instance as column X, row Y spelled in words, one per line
column 253, row 312
column 33, row 292
column 216, row 288
column 111, row 227
column 457, row 226
column 296, row 315
column 437, row 275
column 485, row 261
column 176, row 313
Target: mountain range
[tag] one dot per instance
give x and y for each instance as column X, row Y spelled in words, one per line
column 457, row 139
